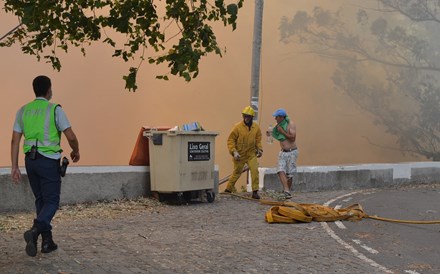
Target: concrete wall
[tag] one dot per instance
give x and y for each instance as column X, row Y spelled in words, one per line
column 83, row 184
column 88, row 184
column 322, row 178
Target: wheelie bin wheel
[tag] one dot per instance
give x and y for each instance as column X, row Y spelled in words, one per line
column 187, row 196
column 180, row 198
column 210, row 196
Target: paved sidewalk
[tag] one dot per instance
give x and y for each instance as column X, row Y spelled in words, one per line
column 227, row 236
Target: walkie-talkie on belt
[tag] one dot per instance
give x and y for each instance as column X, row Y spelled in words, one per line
column 33, row 152
column 64, row 164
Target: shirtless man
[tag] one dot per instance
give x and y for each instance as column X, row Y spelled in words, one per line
column 285, row 132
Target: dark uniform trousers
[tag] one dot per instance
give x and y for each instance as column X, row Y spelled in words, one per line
column 45, row 180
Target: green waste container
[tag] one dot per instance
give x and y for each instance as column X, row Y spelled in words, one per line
column 182, row 162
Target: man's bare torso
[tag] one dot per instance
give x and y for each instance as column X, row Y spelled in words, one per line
column 289, row 143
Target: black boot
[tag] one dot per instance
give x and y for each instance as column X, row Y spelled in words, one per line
column 31, row 238
column 255, row 194
column 48, row 244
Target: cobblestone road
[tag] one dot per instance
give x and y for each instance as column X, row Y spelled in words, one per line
column 227, row 236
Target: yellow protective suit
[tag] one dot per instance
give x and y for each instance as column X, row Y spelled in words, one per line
column 246, row 141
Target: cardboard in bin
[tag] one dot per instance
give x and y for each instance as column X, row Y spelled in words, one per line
column 194, row 126
column 141, row 151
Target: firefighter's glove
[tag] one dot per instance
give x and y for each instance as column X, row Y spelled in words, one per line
column 259, row 153
column 236, row 156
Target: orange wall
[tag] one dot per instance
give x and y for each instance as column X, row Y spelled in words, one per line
column 107, row 118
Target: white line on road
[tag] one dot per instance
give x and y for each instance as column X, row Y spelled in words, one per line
column 348, row 246
column 338, row 198
column 411, row 272
column 367, row 248
column 352, row 249
column 340, row 225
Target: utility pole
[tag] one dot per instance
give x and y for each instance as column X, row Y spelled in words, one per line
column 256, row 54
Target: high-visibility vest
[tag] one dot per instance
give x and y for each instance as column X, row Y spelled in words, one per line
column 39, row 128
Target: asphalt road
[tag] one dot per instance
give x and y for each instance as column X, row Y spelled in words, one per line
column 231, row 236
column 393, row 247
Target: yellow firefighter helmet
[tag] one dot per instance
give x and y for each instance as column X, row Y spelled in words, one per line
column 248, row 111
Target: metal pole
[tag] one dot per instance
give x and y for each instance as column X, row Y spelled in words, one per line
column 256, row 53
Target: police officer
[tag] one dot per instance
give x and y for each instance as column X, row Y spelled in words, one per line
column 244, row 144
column 41, row 124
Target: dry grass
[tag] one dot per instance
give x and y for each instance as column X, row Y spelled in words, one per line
column 107, row 209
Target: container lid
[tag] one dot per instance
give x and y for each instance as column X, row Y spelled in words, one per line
column 185, row 132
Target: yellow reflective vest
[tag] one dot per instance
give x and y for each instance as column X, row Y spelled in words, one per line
column 39, row 127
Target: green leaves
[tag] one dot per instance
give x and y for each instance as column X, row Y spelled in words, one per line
column 130, row 79
column 183, row 38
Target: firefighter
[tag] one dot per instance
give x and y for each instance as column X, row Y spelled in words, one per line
column 244, row 144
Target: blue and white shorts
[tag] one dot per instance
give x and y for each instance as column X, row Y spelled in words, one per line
column 287, row 162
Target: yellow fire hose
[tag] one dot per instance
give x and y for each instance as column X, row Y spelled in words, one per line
column 225, row 179
column 291, row 212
